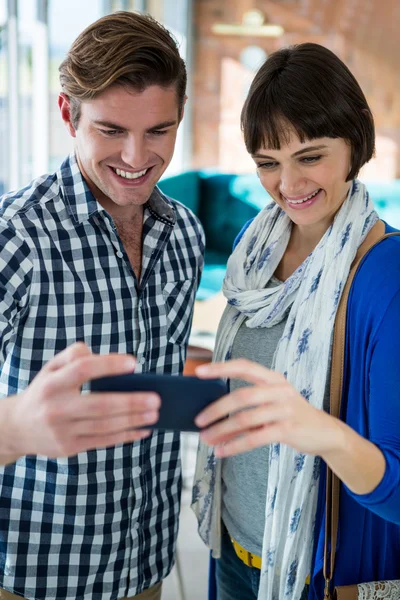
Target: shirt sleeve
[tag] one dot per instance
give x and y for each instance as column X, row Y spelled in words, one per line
column 15, row 274
column 384, row 414
column 201, row 244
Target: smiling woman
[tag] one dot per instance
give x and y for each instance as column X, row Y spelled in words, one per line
column 309, row 130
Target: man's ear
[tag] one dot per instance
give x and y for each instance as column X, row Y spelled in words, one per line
column 64, row 104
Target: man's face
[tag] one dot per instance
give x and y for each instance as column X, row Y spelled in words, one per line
column 124, row 141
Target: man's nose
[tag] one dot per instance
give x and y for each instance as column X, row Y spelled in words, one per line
column 134, row 152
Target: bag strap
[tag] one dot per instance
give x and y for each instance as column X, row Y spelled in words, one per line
column 376, row 235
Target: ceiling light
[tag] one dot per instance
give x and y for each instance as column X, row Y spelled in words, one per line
column 252, row 25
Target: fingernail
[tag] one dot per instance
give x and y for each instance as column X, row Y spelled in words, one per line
column 130, row 363
column 145, row 433
column 152, row 401
column 200, row 420
column 219, row 451
column 202, row 369
column 150, row 416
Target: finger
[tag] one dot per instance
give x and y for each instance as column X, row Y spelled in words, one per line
column 110, row 404
column 72, row 353
column 240, row 369
column 114, row 425
column 78, row 372
column 269, row 434
column 243, row 422
column 94, row 442
column 241, row 398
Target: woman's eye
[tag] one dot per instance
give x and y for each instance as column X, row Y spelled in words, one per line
column 267, row 165
column 310, row 159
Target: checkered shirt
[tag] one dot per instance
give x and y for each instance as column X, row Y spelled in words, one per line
column 103, row 524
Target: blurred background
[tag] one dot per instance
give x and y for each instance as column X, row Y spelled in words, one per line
column 223, row 42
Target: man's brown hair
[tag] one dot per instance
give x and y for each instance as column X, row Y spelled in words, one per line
column 123, row 48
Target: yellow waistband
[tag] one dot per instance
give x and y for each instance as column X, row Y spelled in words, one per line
column 249, row 559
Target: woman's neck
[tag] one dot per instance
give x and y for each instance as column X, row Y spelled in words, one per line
column 302, row 242
column 305, row 239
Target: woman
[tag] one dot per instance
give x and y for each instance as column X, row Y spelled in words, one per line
column 309, row 129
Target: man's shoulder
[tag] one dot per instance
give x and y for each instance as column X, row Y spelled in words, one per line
column 184, row 215
column 17, row 203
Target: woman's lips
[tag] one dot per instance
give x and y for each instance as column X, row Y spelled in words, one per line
column 300, row 204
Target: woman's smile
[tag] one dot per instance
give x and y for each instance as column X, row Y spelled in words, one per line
column 304, row 201
column 307, row 179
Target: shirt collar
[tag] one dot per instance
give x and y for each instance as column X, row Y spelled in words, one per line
column 81, row 203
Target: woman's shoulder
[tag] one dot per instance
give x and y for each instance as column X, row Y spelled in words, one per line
column 378, row 278
column 383, row 261
column 241, row 232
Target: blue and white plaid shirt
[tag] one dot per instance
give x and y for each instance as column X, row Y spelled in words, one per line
column 100, row 525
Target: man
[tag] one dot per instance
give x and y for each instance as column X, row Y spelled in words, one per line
column 96, row 253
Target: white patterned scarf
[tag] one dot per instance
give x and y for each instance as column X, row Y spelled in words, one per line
column 309, row 299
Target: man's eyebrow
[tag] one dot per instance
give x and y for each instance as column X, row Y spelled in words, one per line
column 163, row 125
column 298, row 153
column 111, row 125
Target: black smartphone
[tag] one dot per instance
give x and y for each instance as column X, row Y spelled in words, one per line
column 182, row 398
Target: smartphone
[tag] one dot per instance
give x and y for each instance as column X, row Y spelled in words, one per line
column 182, row 397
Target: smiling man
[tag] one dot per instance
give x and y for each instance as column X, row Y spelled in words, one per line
column 96, row 253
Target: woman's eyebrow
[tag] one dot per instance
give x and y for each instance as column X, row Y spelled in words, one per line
column 298, row 153
column 310, row 149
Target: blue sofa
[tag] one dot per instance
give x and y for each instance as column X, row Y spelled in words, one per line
column 224, row 202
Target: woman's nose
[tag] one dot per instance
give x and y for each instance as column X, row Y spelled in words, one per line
column 292, row 181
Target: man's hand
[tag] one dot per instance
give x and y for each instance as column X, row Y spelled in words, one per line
column 52, row 418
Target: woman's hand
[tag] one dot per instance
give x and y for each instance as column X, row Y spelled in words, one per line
column 270, row 411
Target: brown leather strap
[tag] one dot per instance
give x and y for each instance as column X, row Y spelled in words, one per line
column 376, row 235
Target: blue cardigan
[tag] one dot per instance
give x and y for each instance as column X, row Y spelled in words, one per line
column 368, row 547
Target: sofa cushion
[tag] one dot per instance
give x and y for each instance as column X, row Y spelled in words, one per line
column 184, row 188
column 226, row 202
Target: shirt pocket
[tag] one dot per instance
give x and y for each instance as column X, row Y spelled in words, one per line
column 179, row 299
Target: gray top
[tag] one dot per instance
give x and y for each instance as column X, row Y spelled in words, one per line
column 245, row 476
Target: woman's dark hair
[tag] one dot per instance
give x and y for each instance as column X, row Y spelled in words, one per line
column 308, row 88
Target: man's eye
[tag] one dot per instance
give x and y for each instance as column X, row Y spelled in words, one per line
column 158, row 132
column 110, row 132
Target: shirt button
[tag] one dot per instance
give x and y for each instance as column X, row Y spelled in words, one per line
column 119, row 254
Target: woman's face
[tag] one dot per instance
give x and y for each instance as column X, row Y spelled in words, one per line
column 307, row 180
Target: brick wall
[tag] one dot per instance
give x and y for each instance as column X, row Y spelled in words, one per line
column 220, row 83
